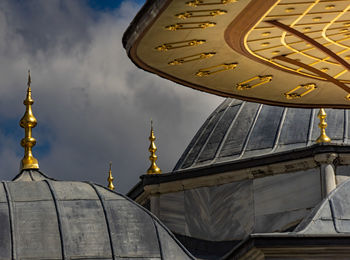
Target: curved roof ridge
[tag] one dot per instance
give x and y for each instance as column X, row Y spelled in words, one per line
column 229, row 130
column 250, row 131
column 31, row 175
column 284, row 114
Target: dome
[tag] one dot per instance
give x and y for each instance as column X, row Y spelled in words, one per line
column 331, row 216
column 239, row 130
column 42, row 218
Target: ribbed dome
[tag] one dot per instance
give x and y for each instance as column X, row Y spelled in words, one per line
column 41, row 218
column 239, row 130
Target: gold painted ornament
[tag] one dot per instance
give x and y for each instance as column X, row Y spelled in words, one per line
column 153, row 169
column 28, row 122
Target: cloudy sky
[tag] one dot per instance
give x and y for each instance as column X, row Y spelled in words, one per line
column 92, row 104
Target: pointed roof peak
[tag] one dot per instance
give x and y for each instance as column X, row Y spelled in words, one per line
column 153, row 169
column 28, row 122
column 110, row 177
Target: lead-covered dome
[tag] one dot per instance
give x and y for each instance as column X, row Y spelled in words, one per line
column 41, row 218
column 239, row 130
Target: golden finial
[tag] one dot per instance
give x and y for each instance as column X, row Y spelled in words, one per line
column 110, row 177
column 323, row 138
column 28, row 122
column 153, row 169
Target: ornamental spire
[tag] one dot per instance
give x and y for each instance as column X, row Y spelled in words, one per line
column 28, row 122
column 153, row 169
column 110, row 177
column 323, row 138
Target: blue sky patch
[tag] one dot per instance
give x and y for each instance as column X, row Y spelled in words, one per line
column 108, row 5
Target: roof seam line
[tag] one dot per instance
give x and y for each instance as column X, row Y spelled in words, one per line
column 153, row 217
column 30, row 175
column 278, row 135
column 223, row 141
column 58, row 218
column 201, row 130
column 10, row 207
column 346, row 131
column 159, row 242
column 106, row 219
column 333, row 215
column 250, row 132
column 311, row 127
column 212, row 131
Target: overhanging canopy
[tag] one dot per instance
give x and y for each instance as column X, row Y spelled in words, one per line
column 280, row 52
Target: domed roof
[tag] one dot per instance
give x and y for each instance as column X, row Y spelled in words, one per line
column 241, row 130
column 42, row 218
column 331, row 216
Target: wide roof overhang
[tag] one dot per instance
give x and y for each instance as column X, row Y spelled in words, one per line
column 279, row 52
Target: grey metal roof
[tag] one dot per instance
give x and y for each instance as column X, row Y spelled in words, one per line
column 239, row 130
column 41, row 218
column 332, row 216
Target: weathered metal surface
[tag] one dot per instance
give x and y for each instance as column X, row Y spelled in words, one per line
column 51, row 219
column 224, row 212
column 241, row 130
column 332, row 216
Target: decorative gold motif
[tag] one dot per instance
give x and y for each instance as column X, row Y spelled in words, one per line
column 323, row 138
column 200, row 13
column 261, row 80
column 329, row 7
column 292, row 94
column 189, row 26
column 28, row 122
column 194, row 57
column 153, row 169
column 110, row 177
column 215, row 69
column 290, row 9
column 181, row 44
column 196, row 3
column 307, row 18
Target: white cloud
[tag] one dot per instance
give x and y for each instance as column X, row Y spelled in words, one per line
column 92, row 104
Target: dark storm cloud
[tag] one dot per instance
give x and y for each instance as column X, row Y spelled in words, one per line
column 92, row 104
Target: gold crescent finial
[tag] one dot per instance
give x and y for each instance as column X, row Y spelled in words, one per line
column 153, row 169
column 28, row 122
column 323, row 138
column 110, row 177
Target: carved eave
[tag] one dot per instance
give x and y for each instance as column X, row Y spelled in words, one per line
column 259, row 167
column 276, row 52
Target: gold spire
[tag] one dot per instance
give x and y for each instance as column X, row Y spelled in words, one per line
column 28, row 122
column 323, row 138
column 110, row 177
column 153, row 169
